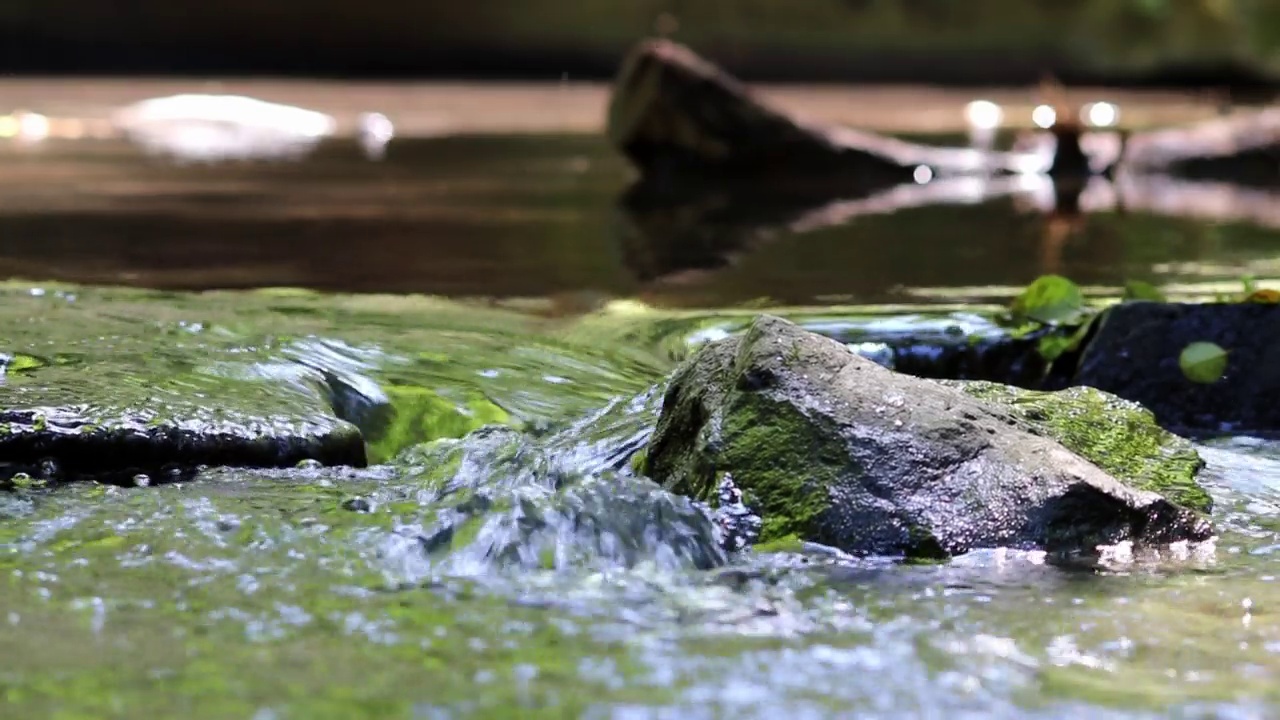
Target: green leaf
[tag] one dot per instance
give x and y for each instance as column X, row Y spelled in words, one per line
column 1051, row 347
column 1139, row 290
column 1051, row 299
column 1055, row 344
column 1203, row 362
column 1023, row 330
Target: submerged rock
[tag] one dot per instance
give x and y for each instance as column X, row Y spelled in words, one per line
column 1134, row 354
column 832, row 448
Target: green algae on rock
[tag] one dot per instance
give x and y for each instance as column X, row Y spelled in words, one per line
column 1119, row 436
column 416, row 414
column 832, row 448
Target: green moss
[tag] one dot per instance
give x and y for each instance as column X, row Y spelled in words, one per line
column 421, row 414
column 1117, row 435
column 23, row 481
column 785, row 543
column 639, row 462
column 764, row 443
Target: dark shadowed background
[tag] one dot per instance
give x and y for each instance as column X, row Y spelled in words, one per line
column 977, row 41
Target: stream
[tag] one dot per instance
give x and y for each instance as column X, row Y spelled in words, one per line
column 481, row 281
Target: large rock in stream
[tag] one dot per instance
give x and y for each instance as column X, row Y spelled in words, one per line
column 835, row 449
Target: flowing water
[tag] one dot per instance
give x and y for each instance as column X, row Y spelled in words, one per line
column 533, row 574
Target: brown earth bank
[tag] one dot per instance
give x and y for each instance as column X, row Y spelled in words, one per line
column 1184, row 42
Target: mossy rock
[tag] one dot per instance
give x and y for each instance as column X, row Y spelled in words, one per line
column 831, row 448
column 1119, row 436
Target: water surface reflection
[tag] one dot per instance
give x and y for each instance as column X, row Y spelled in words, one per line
column 539, row 216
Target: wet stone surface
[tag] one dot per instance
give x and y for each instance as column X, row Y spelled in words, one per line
column 72, row 443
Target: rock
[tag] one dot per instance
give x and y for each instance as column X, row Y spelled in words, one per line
column 674, row 114
column 133, row 408
column 832, row 448
column 119, row 444
column 1134, row 354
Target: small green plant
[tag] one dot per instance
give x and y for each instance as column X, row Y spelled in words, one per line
column 1055, row 303
column 1050, row 300
column 1055, row 345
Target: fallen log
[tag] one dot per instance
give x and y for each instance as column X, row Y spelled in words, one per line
column 677, row 116
column 674, row 114
column 1243, row 148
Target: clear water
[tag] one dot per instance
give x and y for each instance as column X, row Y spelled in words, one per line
column 580, row 592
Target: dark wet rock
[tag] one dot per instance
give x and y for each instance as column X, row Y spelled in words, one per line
column 1134, row 354
column 834, row 449
column 675, row 114
column 1016, row 361
column 145, row 407
column 68, row 443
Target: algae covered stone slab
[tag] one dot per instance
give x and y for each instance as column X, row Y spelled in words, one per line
column 103, row 395
column 833, row 448
column 93, row 418
column 68, row 442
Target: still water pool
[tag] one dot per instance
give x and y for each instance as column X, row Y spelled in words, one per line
column 512, row 280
